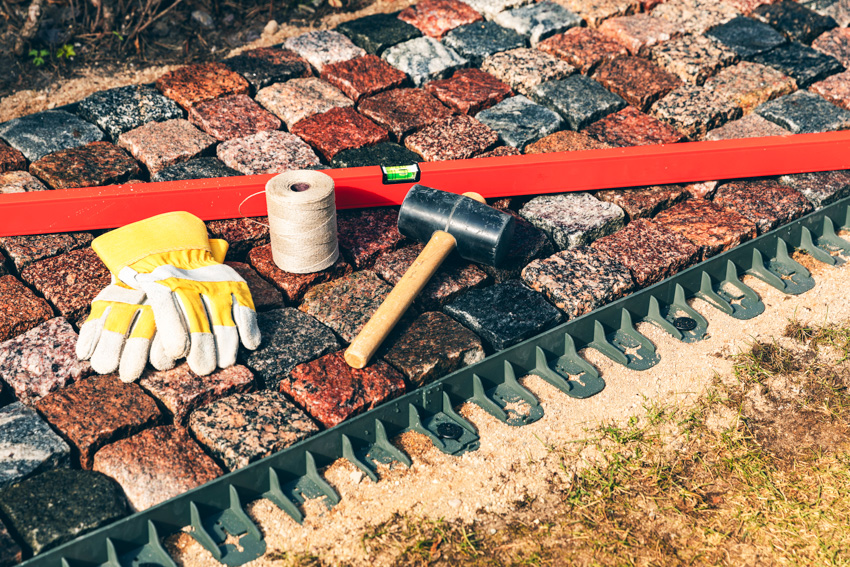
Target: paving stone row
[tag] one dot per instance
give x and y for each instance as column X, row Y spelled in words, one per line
column 441, row 80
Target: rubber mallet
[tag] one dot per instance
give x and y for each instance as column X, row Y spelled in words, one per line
column 446, row 221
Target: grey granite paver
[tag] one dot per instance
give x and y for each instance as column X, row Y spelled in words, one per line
column 746, row 36
column 424, row 59
column 803, row 112
column 800, row 62
column 29, row 446
column 504, row 314
column 492, row 8
column 122, row 109
column 794, row 21
column 290, row 338
column 519, row 121
column 573, row 219
column 198, row 168
column 694, row 110
column 474, row 42
column 321, row 47
column 42, row 133
column 264, row 66
column 243, row 428
column 538, row 21
column 385, row 153
column 377, row 32
column 820, row 188
column 578, row 99
column 60, row 505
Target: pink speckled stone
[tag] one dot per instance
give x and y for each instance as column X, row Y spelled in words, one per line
column 160, row 144
column 835, row 89
column 402, row 111
column 459, row 137
column 750, row 126
column 69, row 281
column 363, row 76
column 11, row 159
column 232, row 116
column 298, row 99
column 523, row 69
column 565, row 141
column 751, row 84
column 695, row 16
column 180, row 390
column 267, row 152
column 469, row 90
column 711, row 227
column 584, row 48
column 323, row 47
column 836, row 43
column 198, row 82
column 156, row 464
column 20, row 182
column 693, row 58
column 639, row 32
column 630, row 127
column 339, row 129
column 41, row 360
column 436, row 17
column 594, row 12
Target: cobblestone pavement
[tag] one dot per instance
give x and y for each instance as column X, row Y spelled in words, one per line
column 441, row 80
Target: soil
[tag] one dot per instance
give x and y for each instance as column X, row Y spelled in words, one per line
column 107, row 60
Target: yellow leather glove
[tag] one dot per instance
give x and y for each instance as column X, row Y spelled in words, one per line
column 120, row 329
column 202, row 308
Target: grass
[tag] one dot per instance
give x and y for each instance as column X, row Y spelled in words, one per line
column 717, row 483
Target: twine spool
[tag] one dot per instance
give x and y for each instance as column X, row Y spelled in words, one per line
column 302, row 221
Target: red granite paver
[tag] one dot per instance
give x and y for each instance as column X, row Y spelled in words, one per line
column 69, row 281
column 156, row 464
column 469, row 91
column 233, row 116
column 650, row 252
column 160, row 144
column 501, row 151
column 24, row 250
column 453, row 278
column 20, row 308
column 708, row 225
column 835, row 89
column 198, row 82
column 594, row 12
column 98, row 163
column 836, row 43
column 331, row 391
column 644, row 202
column 565, row 141
column 180, row 391
column 79, row 413
column 639, row 81
column 264, row 294
column 459, row 137
column 11, row 159
column 630, row 127
column 20, row 182
column 241, row 234
column 298, row 99
column 293, row 286
column 363, row 76
column 339, row 129
column 267, row 152
column 639, row 32
column 364, row 234
column 41, row 360
column 402, row 111
column 763, row 201
column 431, row 347
column 750, row 84
column 584, row 48
column 436, row 17
column 750, row 126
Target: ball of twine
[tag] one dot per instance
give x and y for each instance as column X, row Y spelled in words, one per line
column 302, row 221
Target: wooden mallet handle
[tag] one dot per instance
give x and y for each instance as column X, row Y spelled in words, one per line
column 370, row 337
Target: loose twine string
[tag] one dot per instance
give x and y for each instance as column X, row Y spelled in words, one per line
column 302, row 220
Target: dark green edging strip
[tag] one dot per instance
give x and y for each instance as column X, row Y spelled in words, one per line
column 216, row 509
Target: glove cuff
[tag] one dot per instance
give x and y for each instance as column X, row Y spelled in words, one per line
column 167, row 232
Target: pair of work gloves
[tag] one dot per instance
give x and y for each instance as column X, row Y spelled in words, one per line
column 171, row 297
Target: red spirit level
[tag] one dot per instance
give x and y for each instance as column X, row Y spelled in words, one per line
column 106, row 207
